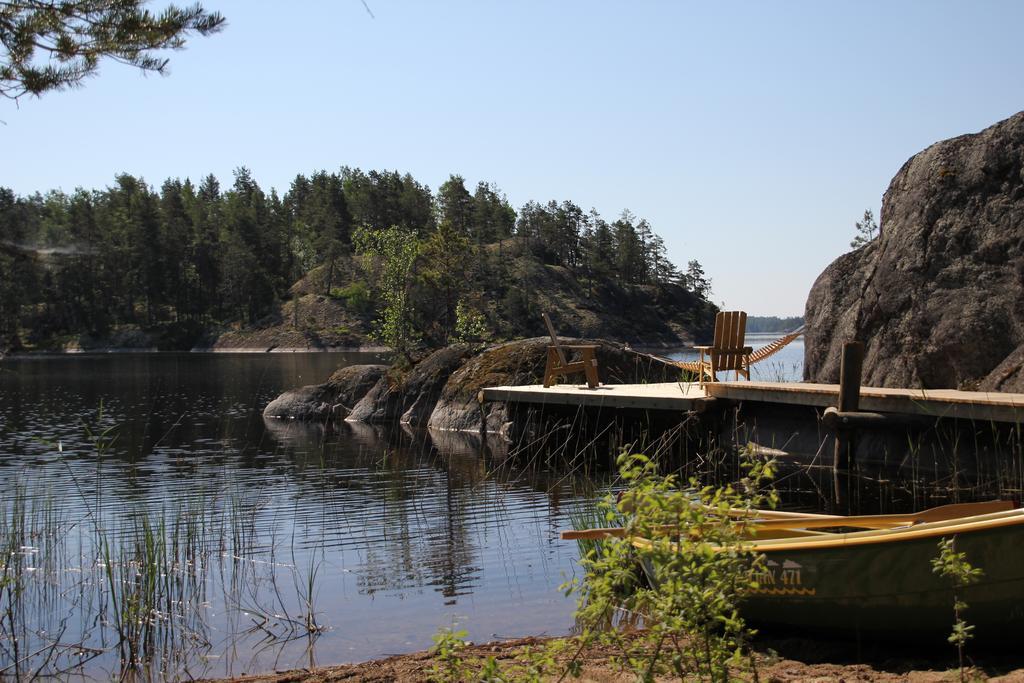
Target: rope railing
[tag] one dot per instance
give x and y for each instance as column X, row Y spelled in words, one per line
column 760, row 354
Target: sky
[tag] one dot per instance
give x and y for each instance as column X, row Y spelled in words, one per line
column 752, row 135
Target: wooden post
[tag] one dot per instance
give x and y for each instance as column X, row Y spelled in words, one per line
column 483, row 417
column 850, row 368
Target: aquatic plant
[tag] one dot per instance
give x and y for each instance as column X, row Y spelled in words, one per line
column 954, row 566
column 132, row 586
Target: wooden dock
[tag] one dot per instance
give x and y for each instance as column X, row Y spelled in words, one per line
column 684, row 396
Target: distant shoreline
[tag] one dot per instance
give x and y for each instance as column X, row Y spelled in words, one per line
column 365, row 348
column 656, row 347
column 106, row 351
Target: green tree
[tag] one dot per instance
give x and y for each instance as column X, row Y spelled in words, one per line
column 598, row 250
column 206, row 210
column 391, row 253
column 323, row 223
column 130, row 246
column 867, row 230
column 247, row 284
column 628, row 249
column 493, row 218
column 49, row 45
column 175, row 240
column 444, row 274
column 380, row 200
column 455, row 206
column 696, row 280
column 18, row 273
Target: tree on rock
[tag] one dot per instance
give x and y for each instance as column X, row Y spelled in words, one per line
column 47, row 45
column 867, row 230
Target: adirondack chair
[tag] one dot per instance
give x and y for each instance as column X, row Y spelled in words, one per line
column 558, row 362
column 727, row 352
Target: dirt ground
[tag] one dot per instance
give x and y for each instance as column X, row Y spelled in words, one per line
column 803, row 661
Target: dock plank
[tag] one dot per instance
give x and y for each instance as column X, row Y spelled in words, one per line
column 655, row 396
column 950, row 403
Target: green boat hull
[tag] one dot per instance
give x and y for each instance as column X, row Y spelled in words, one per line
column 888, row 588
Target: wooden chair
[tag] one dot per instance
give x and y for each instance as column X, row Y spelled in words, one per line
column 727, row 352
column 558, row 363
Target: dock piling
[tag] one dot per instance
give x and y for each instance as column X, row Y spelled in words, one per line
column 850, row 369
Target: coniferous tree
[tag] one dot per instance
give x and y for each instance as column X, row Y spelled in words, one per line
column 174, row 257
column 493, row 218
column 867, row 230
column 130, row 255
column 696, row 280
column 455, row 207
column 628, row 250
column 51, row 46
column 206, row 251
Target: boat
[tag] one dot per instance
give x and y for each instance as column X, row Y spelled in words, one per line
column 872, row 575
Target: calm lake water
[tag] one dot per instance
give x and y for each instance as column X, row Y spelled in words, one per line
column 785, row 366
column 149, row 510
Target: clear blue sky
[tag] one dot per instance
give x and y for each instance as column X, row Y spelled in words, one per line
column 751, row 135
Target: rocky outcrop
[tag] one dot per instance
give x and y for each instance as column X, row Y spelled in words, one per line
column 938, row 297
column 522, row 362
column 331, row 400
column 410, row 397
column 441, row 390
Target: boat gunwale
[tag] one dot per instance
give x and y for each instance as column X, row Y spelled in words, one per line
column 974, row 524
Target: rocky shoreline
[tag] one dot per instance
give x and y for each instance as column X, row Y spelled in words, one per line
column 777, row 660
column 439, row 390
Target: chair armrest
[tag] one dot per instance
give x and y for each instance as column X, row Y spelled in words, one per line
column 702, row 348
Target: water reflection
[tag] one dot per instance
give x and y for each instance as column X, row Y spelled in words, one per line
column 287, row 540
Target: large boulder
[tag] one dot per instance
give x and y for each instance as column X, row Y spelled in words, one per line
column 522, row 362
column 331, row 400
column 938, row 297
column 410, row 396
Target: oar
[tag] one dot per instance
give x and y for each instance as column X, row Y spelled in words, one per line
column 798, row 521
column 619, row 532
column 936, row 514
column 777, row 514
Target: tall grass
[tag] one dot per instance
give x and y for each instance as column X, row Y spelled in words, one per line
column 129, row 590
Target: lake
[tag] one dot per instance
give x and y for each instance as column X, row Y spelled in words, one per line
column 785, row 366
column 150, row 512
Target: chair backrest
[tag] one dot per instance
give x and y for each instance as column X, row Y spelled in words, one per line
column 730, row 334
column 554, row 338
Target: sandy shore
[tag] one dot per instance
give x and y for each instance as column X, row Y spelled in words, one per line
column 790, row 660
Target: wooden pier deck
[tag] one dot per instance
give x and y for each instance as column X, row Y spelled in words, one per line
column 682, row 396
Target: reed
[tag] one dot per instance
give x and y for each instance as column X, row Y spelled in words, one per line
column 131, row 586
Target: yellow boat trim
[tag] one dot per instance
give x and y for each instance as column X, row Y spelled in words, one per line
column 859, row 538
column 964, row 525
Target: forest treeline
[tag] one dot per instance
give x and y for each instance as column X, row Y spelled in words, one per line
column 422, row 266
